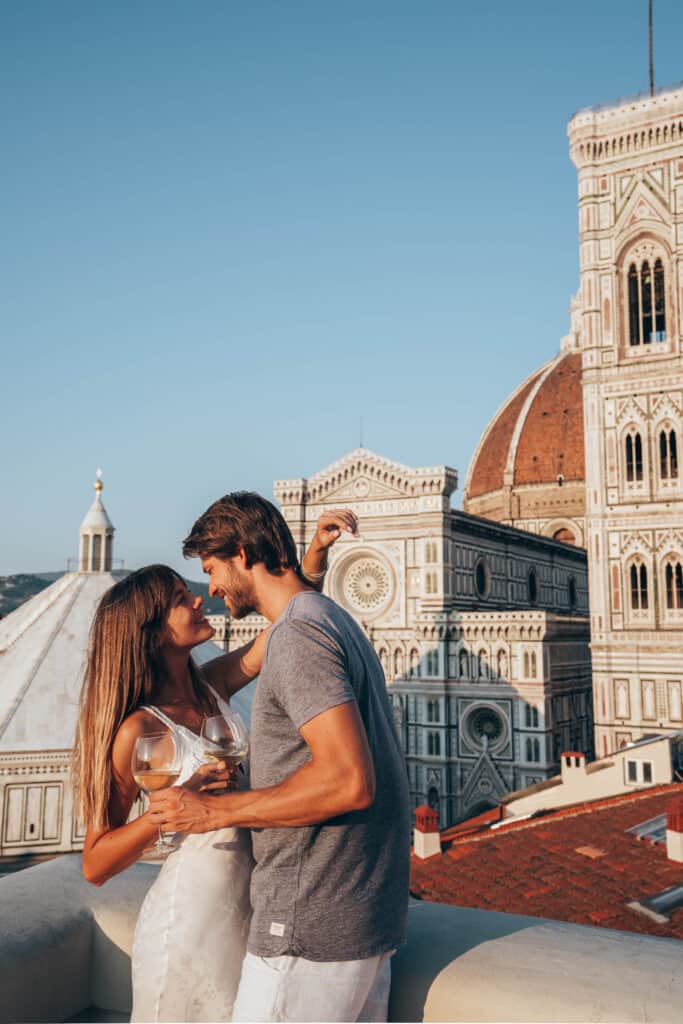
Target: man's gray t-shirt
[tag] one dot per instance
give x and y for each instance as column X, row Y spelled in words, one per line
column 337, row 890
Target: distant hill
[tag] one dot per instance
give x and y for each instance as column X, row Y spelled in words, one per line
column 16, row 589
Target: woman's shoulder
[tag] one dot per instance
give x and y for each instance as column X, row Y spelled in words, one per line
column 131, row 727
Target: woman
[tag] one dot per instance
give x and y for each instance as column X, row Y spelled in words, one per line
column 191, row 933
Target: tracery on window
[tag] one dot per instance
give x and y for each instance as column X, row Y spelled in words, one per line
column 634, row 457
column 639, row 587
column 673, row 584
column 668, row 454
column 646, row 302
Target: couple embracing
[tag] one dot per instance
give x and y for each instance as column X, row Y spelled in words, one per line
column 304, row 929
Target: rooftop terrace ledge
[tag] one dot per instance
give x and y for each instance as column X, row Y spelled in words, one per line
column 65, row 955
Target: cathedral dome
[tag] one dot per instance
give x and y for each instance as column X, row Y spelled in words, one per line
column 528, row 469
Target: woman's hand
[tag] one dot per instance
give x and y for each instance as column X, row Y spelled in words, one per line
column 213, row 776
column 330, row 526
column 329, row 529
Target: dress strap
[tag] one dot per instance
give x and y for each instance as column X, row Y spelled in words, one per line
column 220, row 701
column 160, row 715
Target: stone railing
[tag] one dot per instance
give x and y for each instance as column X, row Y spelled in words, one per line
column 65, row 955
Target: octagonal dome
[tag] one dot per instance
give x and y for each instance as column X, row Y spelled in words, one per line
column 528, row 469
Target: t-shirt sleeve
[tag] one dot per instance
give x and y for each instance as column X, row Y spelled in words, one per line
column 307, row 670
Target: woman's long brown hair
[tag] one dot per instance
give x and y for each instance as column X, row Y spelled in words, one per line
column 124, row 671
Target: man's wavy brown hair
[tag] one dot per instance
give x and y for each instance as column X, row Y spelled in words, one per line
column 244, row 520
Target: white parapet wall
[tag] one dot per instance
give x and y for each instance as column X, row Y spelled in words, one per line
column 65, row 949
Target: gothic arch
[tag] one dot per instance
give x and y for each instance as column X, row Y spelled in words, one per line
column 638, row 249
column 638, row 583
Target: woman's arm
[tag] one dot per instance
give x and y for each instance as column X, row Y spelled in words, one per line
column 112, row 848
column 328, row 530
column 230, row 672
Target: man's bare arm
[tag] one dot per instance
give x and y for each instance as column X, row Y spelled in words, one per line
column 339, row 778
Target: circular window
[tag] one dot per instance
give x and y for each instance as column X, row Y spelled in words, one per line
column 485, row 726
column 571, row 592
column 367, row 584
column 364, row 585
column 482, row 578
column 532, row 586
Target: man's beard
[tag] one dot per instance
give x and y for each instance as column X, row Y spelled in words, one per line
column 240, row 601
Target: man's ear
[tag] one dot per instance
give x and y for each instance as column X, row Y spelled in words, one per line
column 242, row 556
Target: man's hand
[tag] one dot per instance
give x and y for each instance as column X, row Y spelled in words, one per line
column 178, row 809
column 331, row 524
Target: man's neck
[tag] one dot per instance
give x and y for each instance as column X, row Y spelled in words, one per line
column 273, row 593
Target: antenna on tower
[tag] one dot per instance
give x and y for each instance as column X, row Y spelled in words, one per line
column 361, row 445
column 650, row 36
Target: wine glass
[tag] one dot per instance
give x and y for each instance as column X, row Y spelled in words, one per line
column 225, row 738
column 155, row 764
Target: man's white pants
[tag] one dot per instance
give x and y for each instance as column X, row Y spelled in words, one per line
column 290, row 988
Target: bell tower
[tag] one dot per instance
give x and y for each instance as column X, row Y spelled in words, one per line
column 630, row 176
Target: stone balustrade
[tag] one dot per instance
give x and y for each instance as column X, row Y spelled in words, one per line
column 65, row 955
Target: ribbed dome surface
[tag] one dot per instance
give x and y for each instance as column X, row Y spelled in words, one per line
column 534, row 441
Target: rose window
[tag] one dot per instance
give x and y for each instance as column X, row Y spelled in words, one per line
column 485, row 726
column 367, row 585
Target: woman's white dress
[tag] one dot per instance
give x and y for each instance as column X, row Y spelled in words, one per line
column 191, row 934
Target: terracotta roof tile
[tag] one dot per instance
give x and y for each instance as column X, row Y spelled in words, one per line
column 532, row 867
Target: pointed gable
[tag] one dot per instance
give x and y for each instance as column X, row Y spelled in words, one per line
column 362, row 475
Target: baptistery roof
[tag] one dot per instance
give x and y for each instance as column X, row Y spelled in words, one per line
column 529, row 463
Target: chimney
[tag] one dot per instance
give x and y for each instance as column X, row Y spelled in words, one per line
column 674, row 830
column 573, row 764
column 427, row 842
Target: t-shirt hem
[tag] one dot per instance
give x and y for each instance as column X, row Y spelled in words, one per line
column 336, row 956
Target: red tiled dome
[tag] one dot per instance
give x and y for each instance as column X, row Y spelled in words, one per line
column 534, row 443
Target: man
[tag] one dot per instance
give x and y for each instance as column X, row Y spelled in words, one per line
column 329, row 802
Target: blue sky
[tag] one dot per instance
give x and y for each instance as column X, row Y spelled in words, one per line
column 229, row 231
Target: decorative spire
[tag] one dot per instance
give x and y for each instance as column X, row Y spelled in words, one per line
column 97, row 534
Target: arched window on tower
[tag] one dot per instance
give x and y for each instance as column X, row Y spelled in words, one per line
column 634, row 458
column 646, row 303
column 668, row 455
column 673, row 584
column 639, row 592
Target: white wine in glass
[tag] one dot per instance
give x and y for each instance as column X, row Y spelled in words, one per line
column 225, row 738
column 154, row 766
